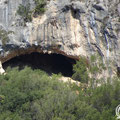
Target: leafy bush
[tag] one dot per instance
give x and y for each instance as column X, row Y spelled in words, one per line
column 33, row 95
column 40, row 6
column 80, row 71
column 25, row 12
column 29, row 95
column 88, row 70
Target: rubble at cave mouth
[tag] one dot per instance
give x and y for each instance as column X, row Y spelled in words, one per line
column 50, row 63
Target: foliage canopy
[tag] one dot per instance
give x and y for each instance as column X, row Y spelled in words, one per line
column 33, row 95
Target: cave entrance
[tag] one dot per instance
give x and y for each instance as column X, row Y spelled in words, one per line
column 50, row 63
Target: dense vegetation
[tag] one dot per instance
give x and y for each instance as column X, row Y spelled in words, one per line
column 33, row 95
column 89, row 67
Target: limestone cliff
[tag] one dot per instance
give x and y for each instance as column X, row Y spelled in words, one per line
column 68, row 27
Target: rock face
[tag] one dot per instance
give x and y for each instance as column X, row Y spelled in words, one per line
column 68, row 27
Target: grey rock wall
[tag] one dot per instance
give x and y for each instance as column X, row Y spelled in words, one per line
column 68, row 27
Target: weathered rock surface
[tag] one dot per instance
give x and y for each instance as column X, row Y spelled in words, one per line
column 68, row 27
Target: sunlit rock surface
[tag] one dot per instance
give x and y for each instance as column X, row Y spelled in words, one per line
column 68, row 27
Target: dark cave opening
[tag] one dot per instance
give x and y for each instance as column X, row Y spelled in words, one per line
column 50, row 63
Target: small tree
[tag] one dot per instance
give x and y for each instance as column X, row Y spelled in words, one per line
column 25, row 13
column 40, row 7
column 80, row 70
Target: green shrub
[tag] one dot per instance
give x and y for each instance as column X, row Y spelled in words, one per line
column 33, row 95
column 80, row 71
column 4, row 36
column 40, row 7
column 25, row 12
